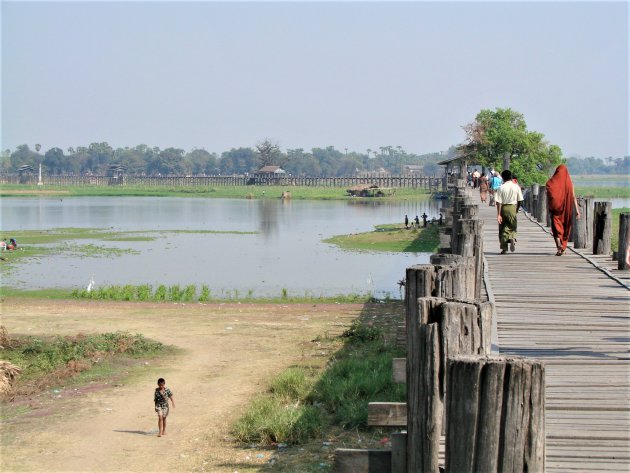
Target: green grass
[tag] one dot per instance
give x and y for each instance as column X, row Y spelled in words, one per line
column 190, row 293
column 392, row 238
column 603, row 192
column 38, row 357
column 237, row 192
column 147, row 293
column 302, row 402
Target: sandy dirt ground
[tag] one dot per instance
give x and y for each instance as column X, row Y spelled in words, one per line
column 229, row 353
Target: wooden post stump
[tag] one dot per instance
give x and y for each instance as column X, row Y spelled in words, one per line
column 453, row 281
column 623, row 253
column 399, row 452
column 541, row 214
column 469, row 211
column 602, row 227
column 583, row 227
column 529, row 200
column 496, row 409
column 535, row 193
column 362, row 461
column 470, row 243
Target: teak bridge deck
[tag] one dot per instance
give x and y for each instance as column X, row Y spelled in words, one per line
column 575, row 318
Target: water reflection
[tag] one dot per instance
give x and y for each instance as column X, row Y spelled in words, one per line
column 268, row 216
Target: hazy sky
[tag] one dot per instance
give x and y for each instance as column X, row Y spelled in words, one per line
column 356, row 75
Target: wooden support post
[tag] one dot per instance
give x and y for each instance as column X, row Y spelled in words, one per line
column 418, row 283
column 583, row 227
column 469, row 211
column 496, row 410
column 424, row 419
column 542, row 206
column 399, row 452
column 470, row 243
column 349, row 460
column 602, row 228
column 623, row 253
column 453, row 281
column 530, row 201
column 535, row 193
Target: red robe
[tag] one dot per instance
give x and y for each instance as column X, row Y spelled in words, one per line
column 560, row 201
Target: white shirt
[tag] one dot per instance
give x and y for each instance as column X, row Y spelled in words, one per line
column 509, row 193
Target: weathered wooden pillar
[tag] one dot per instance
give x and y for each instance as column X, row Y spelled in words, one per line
column 348, row 460
column 602, row 227
column 495, row 413
column 469, row 211
column 623, row 252
column 470, row 243
column 542, row 205
column 528, row 200
column 424, row 402
column 399, row 452
column 453, row 281
column 535, row 193
column 583, row 227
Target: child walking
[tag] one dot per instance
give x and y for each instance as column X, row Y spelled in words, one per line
column 160, row 398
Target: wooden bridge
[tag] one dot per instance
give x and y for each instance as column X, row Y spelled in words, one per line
column 561, row 404
column 576, row 318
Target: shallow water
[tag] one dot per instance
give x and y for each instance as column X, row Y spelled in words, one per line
column 287, row 251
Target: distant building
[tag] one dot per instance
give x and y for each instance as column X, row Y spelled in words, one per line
column 267, row 170
column 412, row 170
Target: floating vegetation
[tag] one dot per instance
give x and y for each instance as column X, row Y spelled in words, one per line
column 57, row 241
column 391, row 237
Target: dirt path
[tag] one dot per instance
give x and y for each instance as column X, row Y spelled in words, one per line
column 230, row 351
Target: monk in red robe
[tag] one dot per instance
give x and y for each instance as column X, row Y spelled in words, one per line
column 561, row 199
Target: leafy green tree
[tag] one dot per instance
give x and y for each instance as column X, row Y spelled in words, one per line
column 500, row 139
column 99, row 157
column 55, row 161
column 24, row 155
column 5, row 161
column 202, row 162
column 238, row 161
column 170, row 162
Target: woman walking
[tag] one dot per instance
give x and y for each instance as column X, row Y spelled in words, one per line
column 561, row 199
column 483, row 188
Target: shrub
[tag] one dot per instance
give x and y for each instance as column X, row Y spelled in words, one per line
column 175, row 293
column 128, row 292
column 143, row 292
column 160, row 293
column 269, row 420
column 189, row 293
column 362, row 333
column 205, row 294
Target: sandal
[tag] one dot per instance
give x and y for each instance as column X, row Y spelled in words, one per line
column 560, row 253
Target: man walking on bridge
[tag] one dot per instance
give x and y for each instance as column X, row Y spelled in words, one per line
column 508, row 198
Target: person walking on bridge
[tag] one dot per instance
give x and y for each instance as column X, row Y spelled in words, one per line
column 560, row 200
column 508, row 198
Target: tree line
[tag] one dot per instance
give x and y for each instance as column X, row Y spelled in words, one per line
column 144, row 160
column 497, row 139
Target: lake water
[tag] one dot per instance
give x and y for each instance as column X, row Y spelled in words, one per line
column 287, row 251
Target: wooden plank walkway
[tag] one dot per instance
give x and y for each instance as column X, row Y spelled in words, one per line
column 576, row 319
